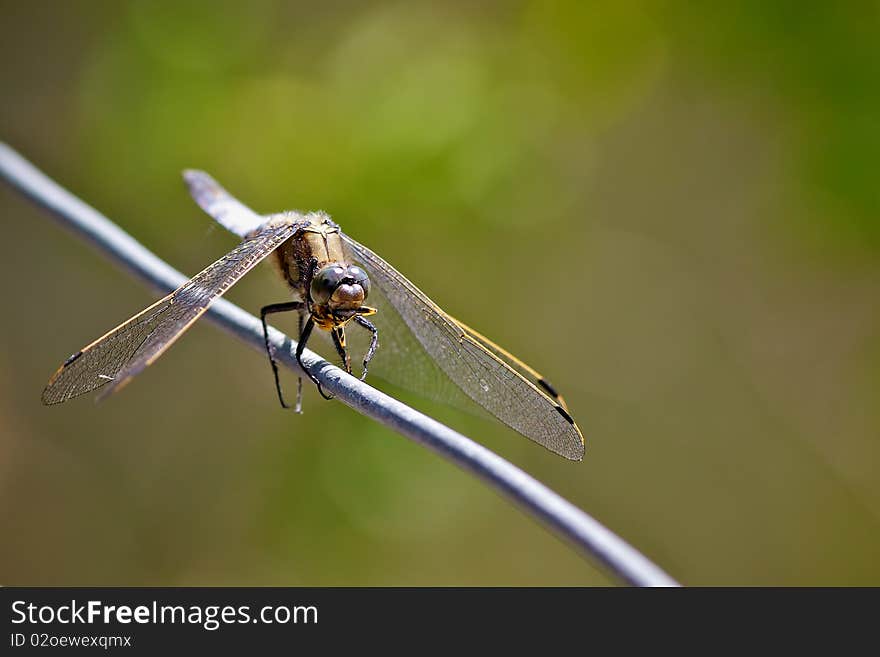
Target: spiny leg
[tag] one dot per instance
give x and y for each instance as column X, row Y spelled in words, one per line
column 374, row 342
column 308, row 275
column 338, row 334
column 268, row 310
column 300, row 347
column 299, row 380
column 307, row 331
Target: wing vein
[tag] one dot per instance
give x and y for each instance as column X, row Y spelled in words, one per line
column 114, row 358
column 485, row 373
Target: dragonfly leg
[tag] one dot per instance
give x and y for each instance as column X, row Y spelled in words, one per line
column 268, row 310
column 374, row 342
column 299, row 380
column 339, row 341
column 300, row 347
column 308, row 276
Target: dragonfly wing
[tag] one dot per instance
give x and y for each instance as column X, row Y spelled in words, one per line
column 524, row 370
column 480, row 369
column 401, row 359
column 220, row 204
column 116, row 357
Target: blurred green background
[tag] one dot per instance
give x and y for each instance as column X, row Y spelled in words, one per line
column 671, row 210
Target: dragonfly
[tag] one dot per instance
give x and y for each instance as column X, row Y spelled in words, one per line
column 331, row 278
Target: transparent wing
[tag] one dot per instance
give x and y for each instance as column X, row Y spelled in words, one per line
column 116, row 357
column 403, row 361
column 512, row 361
column 448, row 352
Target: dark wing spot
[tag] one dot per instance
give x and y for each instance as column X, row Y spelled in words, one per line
column 565, row 414
column 544, row 383
column 72, row 358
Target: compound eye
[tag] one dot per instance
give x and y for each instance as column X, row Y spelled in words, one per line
column 325, row 282
column 360, row 277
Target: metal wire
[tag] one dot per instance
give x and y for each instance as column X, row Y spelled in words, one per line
column 586, row 534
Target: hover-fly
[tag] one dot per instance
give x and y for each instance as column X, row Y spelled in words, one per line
column 336, row 284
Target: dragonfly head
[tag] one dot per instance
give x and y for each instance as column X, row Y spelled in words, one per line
column 341, row 287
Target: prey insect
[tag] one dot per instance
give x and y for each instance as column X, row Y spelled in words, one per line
column 331, row 278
